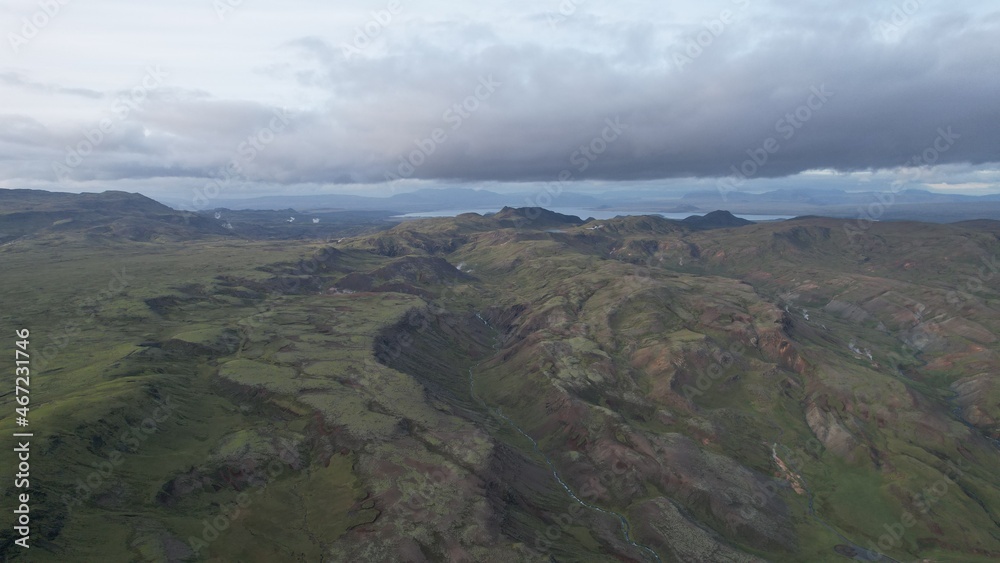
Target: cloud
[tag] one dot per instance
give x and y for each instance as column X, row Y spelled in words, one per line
column 18, row 80
column 697, row 93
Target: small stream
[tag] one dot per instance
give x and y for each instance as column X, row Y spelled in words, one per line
column 626, row 529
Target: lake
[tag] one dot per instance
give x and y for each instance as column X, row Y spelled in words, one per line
column 584, row 213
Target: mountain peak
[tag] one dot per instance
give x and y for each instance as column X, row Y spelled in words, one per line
column 718, row 219
column 538, row 217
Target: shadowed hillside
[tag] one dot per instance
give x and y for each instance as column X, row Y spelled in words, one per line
column 119, row 215
column 524, row 386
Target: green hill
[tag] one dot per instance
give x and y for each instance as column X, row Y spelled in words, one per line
column 524, row 386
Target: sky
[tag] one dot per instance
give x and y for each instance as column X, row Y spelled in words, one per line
column 217, row 99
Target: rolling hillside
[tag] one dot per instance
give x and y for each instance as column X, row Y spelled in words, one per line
column 527, row 386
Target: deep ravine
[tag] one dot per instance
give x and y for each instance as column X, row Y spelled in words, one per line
column 626, row 529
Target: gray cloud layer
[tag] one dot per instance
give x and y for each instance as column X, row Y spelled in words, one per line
column 478, row 105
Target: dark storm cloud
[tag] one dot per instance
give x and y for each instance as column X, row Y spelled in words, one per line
column 885, row 104
column 814, row 88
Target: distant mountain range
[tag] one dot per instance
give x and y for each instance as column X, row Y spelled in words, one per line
column 918, row 205
column 910, row 204
column 409, row 202
column 836, row 197
column 132, row 216
column 527, row 385
column 119, row 214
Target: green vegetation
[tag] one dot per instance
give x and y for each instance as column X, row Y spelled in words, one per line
column 769, row 392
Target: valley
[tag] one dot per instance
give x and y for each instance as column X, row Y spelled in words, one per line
column 523, row 386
